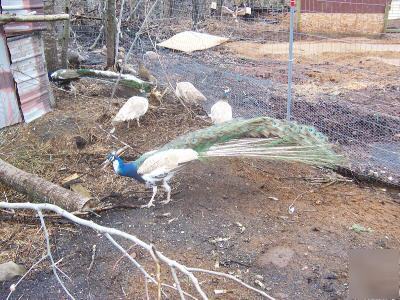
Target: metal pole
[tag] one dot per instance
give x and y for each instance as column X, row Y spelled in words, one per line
column 290, row 66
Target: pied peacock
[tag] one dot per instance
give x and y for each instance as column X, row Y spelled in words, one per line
column 221, row 111
column 260, row 137
column 134, row 108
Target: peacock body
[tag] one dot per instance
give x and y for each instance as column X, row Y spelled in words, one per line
column 221, row 111
column 260, row 137
column 134, row 108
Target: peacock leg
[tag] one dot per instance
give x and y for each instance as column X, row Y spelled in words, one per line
column 128, row 124
column 150, row 204
column 138, row 124
column 168, row 189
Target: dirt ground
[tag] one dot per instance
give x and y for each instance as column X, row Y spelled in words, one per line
column 226, row 215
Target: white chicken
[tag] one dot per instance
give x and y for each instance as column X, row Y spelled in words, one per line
column 221, row 111
column 134, row 108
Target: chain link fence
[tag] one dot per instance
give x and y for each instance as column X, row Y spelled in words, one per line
column 345, row 76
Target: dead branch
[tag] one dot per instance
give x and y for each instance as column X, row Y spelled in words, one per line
column 33, row 18
column 108, row 232
column 53, row 264
column 40, row 189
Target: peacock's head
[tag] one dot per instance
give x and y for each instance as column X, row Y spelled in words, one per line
column 226, row 92
column 112, row 156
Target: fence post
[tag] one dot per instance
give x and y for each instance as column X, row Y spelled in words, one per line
column 290, row 65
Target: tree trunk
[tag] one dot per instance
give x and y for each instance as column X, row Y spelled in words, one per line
column 195, row 13
column 168, row 8
column 40, row 189
column 50, row 42
column 119, row 35
column 65, row 37
column 111, row 31
column 220, row 3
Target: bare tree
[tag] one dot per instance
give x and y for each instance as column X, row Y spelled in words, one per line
column 168, row 8
column 111, row 32
column 65, row 36
column 220, row 3
column 195, row 13
column 50, row 41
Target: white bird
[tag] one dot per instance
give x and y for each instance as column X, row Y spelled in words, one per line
column 221, row 111
column 134, row 108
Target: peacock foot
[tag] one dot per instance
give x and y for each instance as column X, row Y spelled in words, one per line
column 148, row 205
column 165, row 201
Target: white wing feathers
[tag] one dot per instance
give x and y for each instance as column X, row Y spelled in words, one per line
column 221, row 112
column 166, row 161
column 134, row 108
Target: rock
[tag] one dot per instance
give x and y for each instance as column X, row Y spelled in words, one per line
column 279, row 256
column 188, row 93
column 10, row 269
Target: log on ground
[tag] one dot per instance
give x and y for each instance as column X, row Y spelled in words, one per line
column 42, row 190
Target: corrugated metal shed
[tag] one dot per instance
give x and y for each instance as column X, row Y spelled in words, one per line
column 9, row 109
column 30, row 73
column 22, row 7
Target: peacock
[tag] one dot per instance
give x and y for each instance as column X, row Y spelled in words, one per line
column 260, row 137
column 133, row 109
column 221, row 111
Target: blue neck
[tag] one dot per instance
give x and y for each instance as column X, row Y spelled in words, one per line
column 127, row 169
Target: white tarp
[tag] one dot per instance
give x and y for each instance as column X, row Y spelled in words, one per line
column 189, row 41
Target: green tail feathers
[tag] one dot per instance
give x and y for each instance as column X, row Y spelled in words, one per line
column 261, row 137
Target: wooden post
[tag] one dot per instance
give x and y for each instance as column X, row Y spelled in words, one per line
column 298, row 15
column 65, row 37
column 111, row 31
column 386, row 17
column 32, row 18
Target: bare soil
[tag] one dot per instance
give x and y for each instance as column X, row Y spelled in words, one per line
column 226, row 215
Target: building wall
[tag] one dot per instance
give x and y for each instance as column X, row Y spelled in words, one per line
column 342, row 17
column 342, row 23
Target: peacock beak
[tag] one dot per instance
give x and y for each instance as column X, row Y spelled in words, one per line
column 105, row 164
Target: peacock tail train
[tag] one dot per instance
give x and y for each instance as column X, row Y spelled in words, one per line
column 261, row 137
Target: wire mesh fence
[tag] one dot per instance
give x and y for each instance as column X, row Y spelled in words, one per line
column 345, row 76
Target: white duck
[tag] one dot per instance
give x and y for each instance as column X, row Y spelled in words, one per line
column 221, row 111
column 134, row 108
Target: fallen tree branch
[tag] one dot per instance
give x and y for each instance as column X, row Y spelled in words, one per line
column 108, row 232
column 32, row 18
column 53, row 264
column 40, row 189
